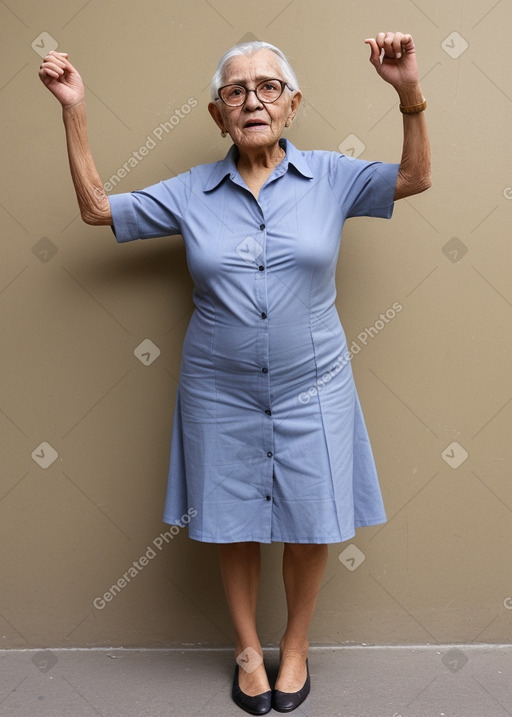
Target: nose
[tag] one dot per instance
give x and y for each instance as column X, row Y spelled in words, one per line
column 251, row 100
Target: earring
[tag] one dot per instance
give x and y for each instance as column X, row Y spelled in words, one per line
column 223, row 133
column 288, row 123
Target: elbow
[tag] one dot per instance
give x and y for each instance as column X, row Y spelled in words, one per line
column 96, row 219
column 407, row 187
column 96, row 212
column 426, row 182
column 422, row 185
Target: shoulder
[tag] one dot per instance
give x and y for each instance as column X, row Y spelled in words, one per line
column 204, row 176
column 196, row 173
column 321, row 163
column 190, row 180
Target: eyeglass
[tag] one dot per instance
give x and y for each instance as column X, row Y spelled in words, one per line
column 266, row 91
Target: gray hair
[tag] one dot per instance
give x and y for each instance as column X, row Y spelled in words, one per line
column 249, row 48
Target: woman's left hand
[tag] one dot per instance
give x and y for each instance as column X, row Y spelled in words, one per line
column 398, row 64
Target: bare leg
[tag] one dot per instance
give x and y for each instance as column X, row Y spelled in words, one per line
column 303, row 570
column 240, row 566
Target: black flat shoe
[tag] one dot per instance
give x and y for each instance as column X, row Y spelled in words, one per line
column 288, row 701
column 257, row 705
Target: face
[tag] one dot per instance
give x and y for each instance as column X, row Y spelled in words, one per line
column 255, row 124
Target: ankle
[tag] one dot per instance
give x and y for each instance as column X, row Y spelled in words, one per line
column 289, row 647
column 248, row 658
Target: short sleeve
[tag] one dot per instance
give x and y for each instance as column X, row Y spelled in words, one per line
column 156, row 211
column 365, row 189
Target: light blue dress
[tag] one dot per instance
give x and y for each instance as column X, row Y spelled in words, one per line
column 269, row 441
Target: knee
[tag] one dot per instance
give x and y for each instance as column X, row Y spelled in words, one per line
column 233, row 549
column 306, row 550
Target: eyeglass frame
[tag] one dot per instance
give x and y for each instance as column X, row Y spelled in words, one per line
column 247, row 90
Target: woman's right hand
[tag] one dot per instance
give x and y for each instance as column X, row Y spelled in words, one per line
column 61, row 78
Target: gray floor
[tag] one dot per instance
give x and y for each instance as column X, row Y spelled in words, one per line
column 444, row 681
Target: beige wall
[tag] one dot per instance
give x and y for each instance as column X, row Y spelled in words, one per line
column 434, row 381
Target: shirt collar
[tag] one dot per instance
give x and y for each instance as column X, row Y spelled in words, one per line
column 227, row 166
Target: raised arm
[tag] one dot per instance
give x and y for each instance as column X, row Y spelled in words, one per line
column 64, row 82
column 394, row 57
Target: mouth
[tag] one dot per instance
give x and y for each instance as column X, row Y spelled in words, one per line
column 255, row 123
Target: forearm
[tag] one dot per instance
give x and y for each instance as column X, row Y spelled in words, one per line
column 92, row 199
column 414, row 174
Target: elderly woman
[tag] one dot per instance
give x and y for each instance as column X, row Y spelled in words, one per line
column 269, row 442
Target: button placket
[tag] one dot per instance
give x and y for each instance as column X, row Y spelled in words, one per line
column 263, row 361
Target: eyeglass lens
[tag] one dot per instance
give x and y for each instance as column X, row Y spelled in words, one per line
column 266, row 91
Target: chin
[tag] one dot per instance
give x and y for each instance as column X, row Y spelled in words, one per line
column 261, row 139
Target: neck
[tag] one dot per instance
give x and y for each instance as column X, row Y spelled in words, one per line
column 260, row 158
